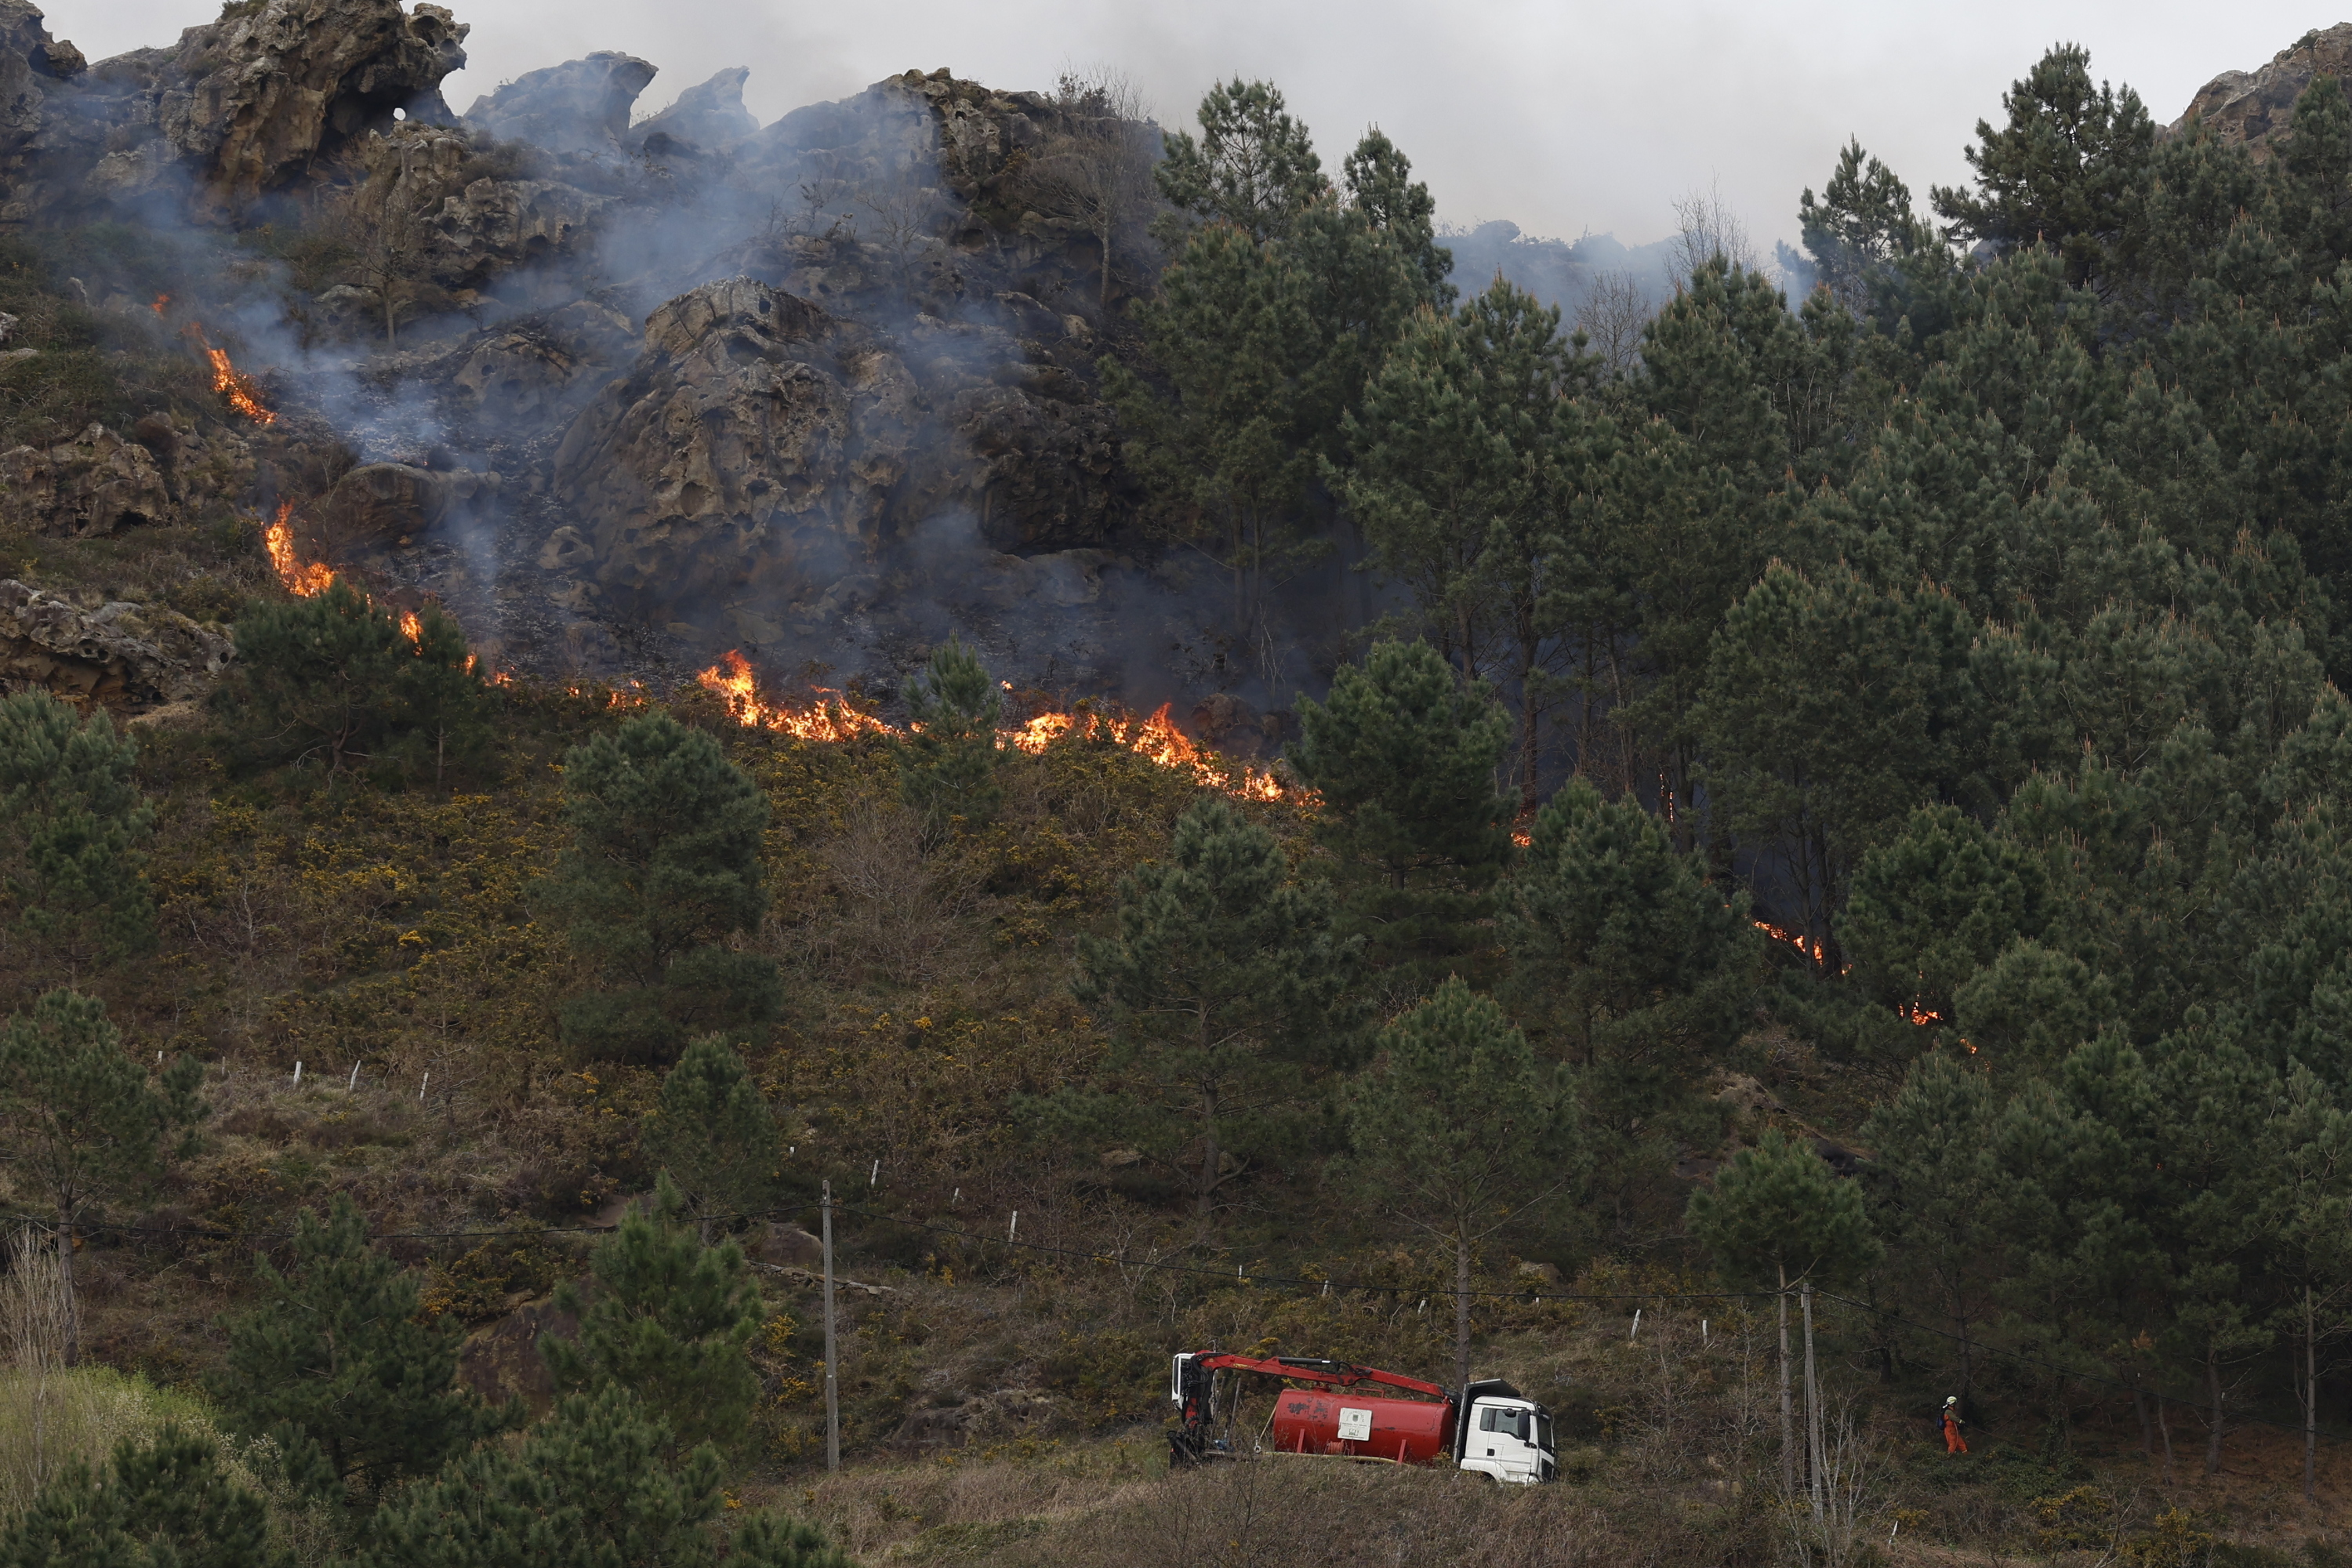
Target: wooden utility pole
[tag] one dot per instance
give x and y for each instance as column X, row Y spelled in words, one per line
column 831, row 1365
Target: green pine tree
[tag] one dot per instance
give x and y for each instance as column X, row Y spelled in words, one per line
column 1939, row 1176
column 1778, row 1216
column 669, row 1319
column 596, row 1484
column 1860, row 227
column 75, row 819
column 338, row 1365
column 712, row 1134
column 1471, row 454
column 664, row 866
column 1252, row 167
column 1221, row 981
column 2063, row 171
column 1458, row 1131
column 332, row 681
column 1619, row 939
column 1934, row 905
column 1406, row 760
column 1831, row 710
column 948, row 767
column 166, row 1503
column 81, row 1124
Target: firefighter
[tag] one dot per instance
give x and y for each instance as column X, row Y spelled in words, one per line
column 1953, row 1442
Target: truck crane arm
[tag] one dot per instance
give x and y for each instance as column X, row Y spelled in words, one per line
column 1329, row 1374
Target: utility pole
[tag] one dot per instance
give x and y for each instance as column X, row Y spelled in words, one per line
column 1812, row 1411
column 832, row 1365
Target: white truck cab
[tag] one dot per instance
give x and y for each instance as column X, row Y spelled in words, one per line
column 1504, row 1436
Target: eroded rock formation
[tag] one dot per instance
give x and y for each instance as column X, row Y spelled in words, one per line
column 2253, row 106
column 95, row 483
column 118, row 653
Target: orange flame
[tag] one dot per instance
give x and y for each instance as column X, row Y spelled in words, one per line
column 1157, row 737
column 278, row 538
column 412, row 626
column 161, row 300
column 828, row 720
column 231, row 383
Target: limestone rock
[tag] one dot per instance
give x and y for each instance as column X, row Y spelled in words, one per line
column 95, row 483
column 387, row 502
column 580, row 106
column 118, row 653
column 706, row 118
column 247, row 103
column 532, row 368
column 725, row 457
column 493, row 226
column 2252, row 106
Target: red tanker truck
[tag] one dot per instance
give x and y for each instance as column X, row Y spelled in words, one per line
column 1489, row 1430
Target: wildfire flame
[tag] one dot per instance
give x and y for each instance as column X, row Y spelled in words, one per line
column 243, row 393
column 831, row 718
column 412, row 626
column 278, row 538
column 161, row 300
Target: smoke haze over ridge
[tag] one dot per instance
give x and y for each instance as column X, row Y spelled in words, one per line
column 1563, row 117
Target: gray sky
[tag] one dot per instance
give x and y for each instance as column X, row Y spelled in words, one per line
column 1563, row 116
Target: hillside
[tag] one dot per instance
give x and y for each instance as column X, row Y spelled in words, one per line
column 572, row 683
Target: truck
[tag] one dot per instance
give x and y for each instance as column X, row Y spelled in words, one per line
column 1325, row 1411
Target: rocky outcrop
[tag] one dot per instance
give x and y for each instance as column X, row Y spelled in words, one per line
column 389, row 504
column 95, row 483
column 117, row 654
column 2254, row 106
column 763, row 452
column 580, row 106
column 749, row 448
column 707, row 118
column 531, row 369
column 244, row 105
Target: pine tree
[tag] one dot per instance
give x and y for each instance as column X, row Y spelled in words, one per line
column 1777, row 1215
column 1616, row 935
column 1406, row 760
column 76, row 818
column 1861, row 226
column 1938, row 1180
column 668, row 1319
column 166, row 1503
column 1459, row 1131
column 334, row 680
column 1831, row 710
column 598, row 1483
column 1934, row 905
column 948, row 767
column 1471, row 453
column 664, row 867
column 2304, row 1167
column 1221, row 979
column 1253, row 167
column 711, row 1133
column 80, row 1124
column 336, row 1365
column 2063, row 171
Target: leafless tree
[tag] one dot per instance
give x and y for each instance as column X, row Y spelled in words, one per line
column 1611, row 314
column 384, row 219
column 1709, row 228
column 1095, row 169
column 899, row 210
